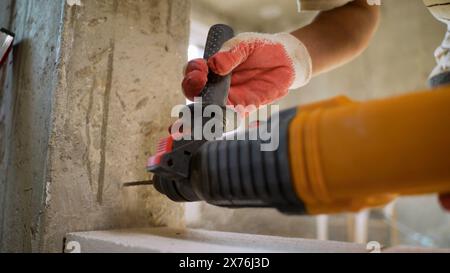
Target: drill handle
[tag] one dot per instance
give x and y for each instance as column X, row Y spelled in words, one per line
column 217, row 89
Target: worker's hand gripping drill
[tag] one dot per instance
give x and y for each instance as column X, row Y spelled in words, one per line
column 323, row 163
column 263, row 66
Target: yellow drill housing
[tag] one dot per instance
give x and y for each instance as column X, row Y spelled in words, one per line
column 346, row 155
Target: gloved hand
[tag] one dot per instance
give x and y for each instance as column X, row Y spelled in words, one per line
column 263, row 66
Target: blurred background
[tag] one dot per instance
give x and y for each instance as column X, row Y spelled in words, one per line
column 398, row 61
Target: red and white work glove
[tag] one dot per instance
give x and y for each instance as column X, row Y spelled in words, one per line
column 263, row 66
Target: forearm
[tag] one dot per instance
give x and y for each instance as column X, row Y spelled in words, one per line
column 337, row 36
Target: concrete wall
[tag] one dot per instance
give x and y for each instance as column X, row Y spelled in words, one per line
column 27, row 87
column 87, row 96
column 398, row 61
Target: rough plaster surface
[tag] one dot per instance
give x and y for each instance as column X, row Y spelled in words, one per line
column 26, row 88
column 169, row 240
column 103, row 76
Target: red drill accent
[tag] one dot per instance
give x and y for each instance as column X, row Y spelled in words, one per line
column 6, row 34
column 445, row 201
column 165, row 146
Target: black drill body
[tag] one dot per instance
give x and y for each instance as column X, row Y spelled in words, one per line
column 228, row 173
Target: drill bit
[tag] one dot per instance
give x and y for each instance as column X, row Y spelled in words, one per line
column 138, row 183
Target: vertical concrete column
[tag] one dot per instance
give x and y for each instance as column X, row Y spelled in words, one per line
column 94, row 112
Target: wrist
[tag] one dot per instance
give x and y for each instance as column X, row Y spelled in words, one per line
column 301, row 59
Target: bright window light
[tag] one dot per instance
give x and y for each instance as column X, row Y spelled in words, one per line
column 194, row 52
